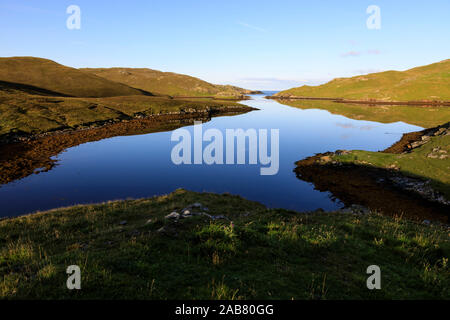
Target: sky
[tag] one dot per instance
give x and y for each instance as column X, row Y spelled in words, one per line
column 266, row 45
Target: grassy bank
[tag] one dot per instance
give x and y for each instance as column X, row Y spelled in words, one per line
column 27, row 114
column 128, row 249
column 430, row 82
column 430, row 161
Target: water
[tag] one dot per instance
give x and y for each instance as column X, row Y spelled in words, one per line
column 140, row 166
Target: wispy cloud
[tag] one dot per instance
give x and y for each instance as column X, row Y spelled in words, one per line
column 373, row 51
column 359, row 53
column 366, row 71
column 351, row 54
column 249, row 26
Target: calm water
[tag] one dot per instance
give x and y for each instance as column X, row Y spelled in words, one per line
column 140, row 166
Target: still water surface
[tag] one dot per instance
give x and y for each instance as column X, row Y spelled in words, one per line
column 140, row 166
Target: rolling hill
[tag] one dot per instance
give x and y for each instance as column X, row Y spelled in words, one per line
column 430, row 82
column 61, row 80
column 167, row 83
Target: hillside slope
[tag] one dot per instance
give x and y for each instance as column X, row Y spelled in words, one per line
column 167, row 83
column 59, row 79
column 430, row 82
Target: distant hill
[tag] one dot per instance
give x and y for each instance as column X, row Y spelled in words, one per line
column 431, row 82
column 167, row 83
column 50, row 76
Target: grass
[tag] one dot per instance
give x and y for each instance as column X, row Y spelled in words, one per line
column 49, row 75
column 35, row 114
column 426, row 117
column 415, row 164
column 167, row 83
column 262, row 254
column 430, row 82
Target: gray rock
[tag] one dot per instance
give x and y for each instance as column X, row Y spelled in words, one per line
column 196, row 205
column 358, row 209
column 122, row 223
column 346, row 211
column 173, row 216
column 161, row 230
column 219, row 217
column 427, row 222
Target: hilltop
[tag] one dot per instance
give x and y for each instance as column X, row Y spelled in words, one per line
column 167, row 83
column 430, row 82
column 61, row 80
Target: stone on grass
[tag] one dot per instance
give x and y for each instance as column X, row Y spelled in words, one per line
column 173, row 216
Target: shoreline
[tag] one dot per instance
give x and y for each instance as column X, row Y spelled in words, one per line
column 24, row 157
column 369, row 102
column 12, row 138
column 385, row 189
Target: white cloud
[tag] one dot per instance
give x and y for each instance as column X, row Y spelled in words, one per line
column 249, row 26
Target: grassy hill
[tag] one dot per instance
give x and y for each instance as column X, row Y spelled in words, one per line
column 61, row 80
column 167, row 83
column 431, row 82
column 129, row 250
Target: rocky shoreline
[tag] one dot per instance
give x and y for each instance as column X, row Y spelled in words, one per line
column 25, row 155
column 186, row 113
column 381, row 189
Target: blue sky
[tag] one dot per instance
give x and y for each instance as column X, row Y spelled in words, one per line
column 254, row 44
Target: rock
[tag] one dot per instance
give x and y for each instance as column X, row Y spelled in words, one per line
column 206, row 215
column 427, row 222
column 346, row 210
column 122, row 223
column 444, row 156
column 149, row 221
column 196, row 205
column 219, row 217
column 440, row 131
column 173, row 216
column 359, row 209
column 416, row 144
column 161, row 230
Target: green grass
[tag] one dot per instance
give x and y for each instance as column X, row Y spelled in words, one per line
column 431, row 82
column 263, row 254
column 415, row 164
column 426, row 117
column 167, row 83
column 49, row 75
column 34, row 114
